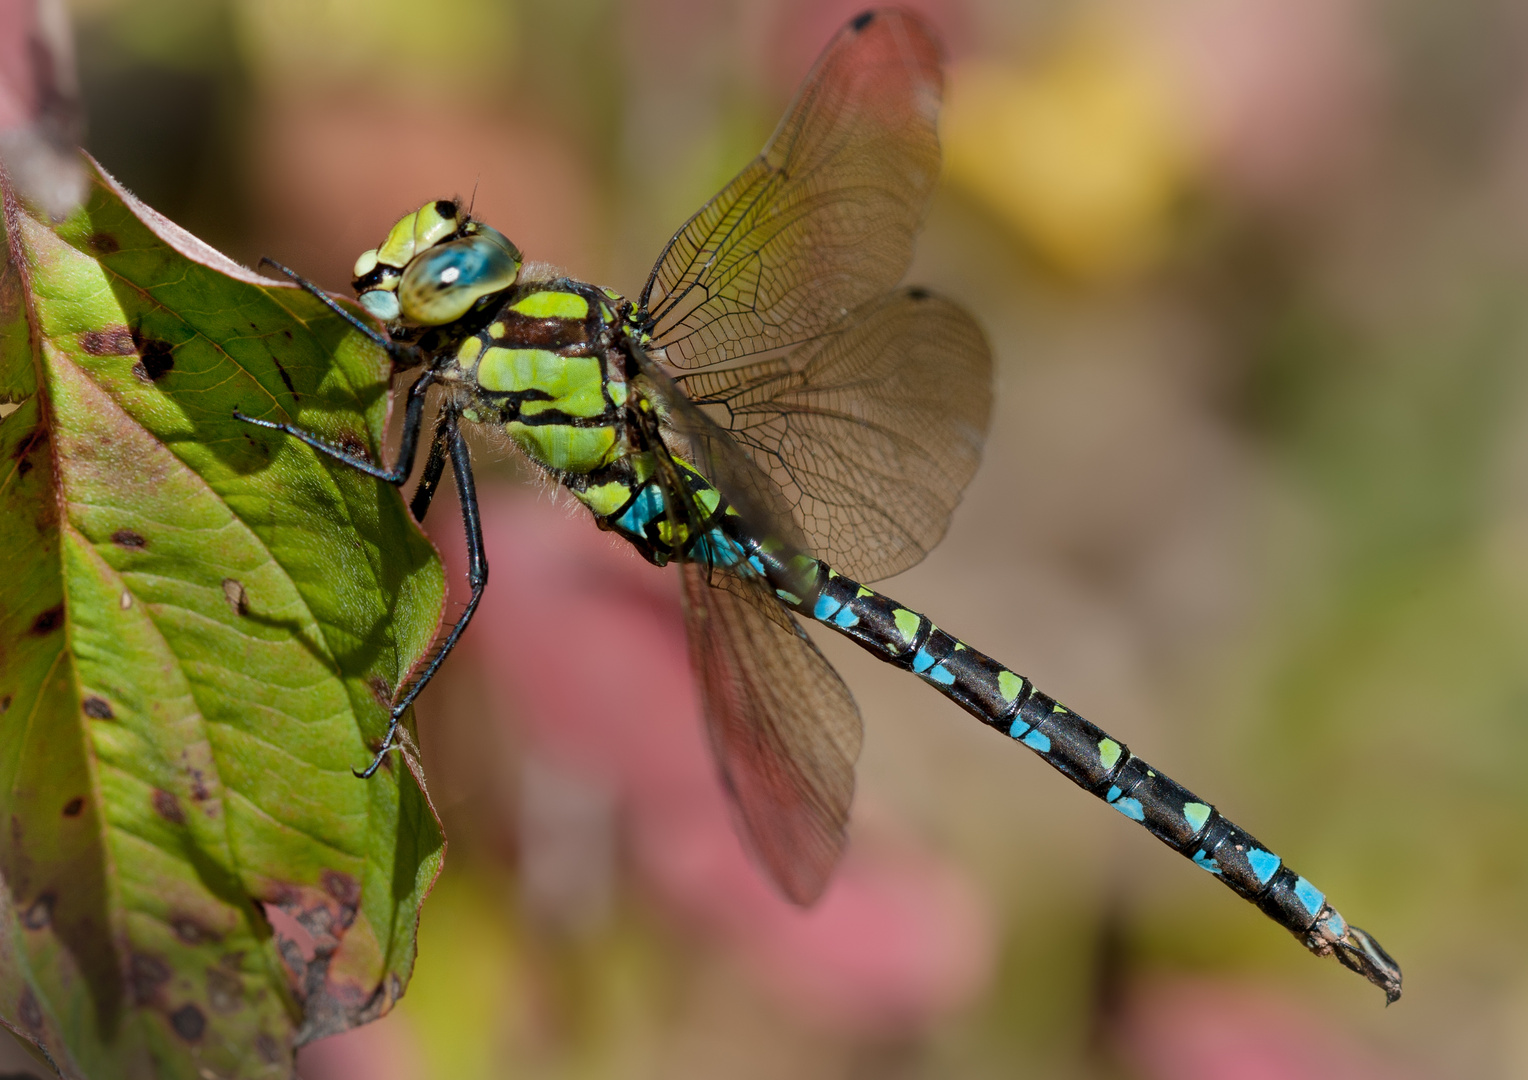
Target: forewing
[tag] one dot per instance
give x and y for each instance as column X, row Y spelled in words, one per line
column 783, row 727
column 824, row 218
column 871, row 433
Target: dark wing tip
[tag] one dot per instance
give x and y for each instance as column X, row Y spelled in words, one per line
column 862, row 20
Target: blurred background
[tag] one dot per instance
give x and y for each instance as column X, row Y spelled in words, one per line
column 1255, row 500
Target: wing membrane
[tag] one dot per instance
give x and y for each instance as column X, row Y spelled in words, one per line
column 783, row 727
column 824, row 218
column 748, row 489
column 871, row 433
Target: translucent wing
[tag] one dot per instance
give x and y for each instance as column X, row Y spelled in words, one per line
column 783, row 727
column 748, row 490
column 869, row 433
column 824, row 218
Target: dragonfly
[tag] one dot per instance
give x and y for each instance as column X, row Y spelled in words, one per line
column 780, row 418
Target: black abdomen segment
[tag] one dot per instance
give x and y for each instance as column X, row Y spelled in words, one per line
column 1095, row 761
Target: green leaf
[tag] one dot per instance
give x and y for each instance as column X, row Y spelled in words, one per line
column 201, row 624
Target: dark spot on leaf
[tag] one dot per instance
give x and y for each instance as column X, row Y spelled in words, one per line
column 225, row 992
column 145, row 975
column 188, row 1022
column 5, row 704
column 190, row 931
column 255, row 328
column 342, row 886
column 345, row 889
column 128, row 539
column 284, row 377
column 108, row 341
column 48, row 621
column 155, row 357
column 98, row 708
column 103, row 243
column 288, row 334
column 168, row 807
column 381, row 691
column 238, row 599
column 353, row 445
column 73, row 807
column 199, row 790
column 268, row 1048
column 24, row 468
column 40, row 914
column 31, row 1012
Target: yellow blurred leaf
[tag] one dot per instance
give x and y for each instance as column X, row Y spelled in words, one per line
column 1083, row 154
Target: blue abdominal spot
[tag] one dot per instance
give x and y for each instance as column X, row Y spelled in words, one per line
column 1131, row 808
column 1204, row 861
column 1309, row 895
column 645, row 509
column 1263, row 864
column 945, row 677
column 718, row 549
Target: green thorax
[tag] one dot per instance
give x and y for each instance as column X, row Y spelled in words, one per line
column 547, row 365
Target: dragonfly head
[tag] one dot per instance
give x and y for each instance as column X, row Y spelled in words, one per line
column 435, row 266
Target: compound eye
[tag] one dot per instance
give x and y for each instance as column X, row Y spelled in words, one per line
column 441, row 284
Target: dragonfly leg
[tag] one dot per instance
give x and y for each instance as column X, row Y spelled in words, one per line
column 434, row 466
column 413, row 420
column 403, row 356
column 477, row 577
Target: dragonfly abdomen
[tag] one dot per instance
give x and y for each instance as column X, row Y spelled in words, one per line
column 1098, row 763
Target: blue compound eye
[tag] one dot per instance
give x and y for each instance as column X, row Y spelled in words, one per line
column 442, row 283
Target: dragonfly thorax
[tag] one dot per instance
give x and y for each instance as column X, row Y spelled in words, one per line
column 547, row 367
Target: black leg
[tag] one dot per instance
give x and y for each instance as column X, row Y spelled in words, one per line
column 402, row 355
column 434, row 465
column 477, row 576
column 413, row 420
